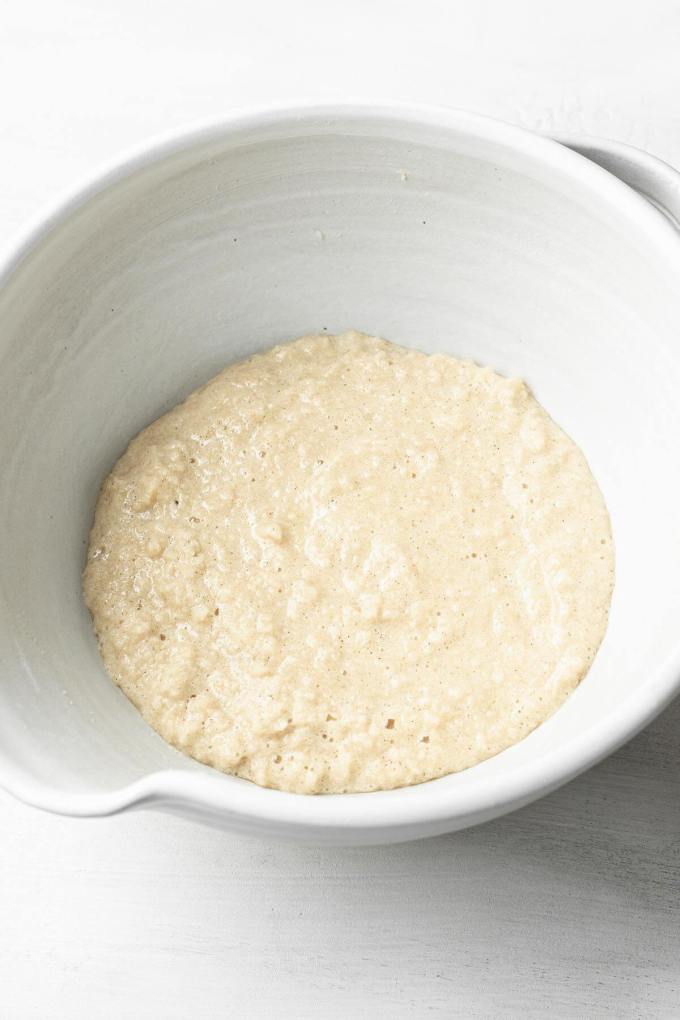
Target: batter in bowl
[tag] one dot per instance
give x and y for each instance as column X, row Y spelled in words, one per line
column 343, row 566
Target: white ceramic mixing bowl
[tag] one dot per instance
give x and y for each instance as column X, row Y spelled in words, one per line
column 433, row 228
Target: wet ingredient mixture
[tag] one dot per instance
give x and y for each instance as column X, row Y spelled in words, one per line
column 343, row 565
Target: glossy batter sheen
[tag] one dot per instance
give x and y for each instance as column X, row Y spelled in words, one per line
column 342, row 565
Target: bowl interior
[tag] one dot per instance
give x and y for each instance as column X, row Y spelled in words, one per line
column 446, row 239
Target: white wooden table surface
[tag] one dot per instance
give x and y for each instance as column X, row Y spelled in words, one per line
column 570, row 908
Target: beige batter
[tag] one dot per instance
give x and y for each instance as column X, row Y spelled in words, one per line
column 342, row 565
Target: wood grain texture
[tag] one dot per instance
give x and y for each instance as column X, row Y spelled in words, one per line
column 569, row 908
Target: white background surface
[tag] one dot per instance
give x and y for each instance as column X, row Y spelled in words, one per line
column 570, row 908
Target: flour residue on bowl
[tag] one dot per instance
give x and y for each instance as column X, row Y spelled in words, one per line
column 343, row 565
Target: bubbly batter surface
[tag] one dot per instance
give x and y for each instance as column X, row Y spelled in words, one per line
column 343, row 565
